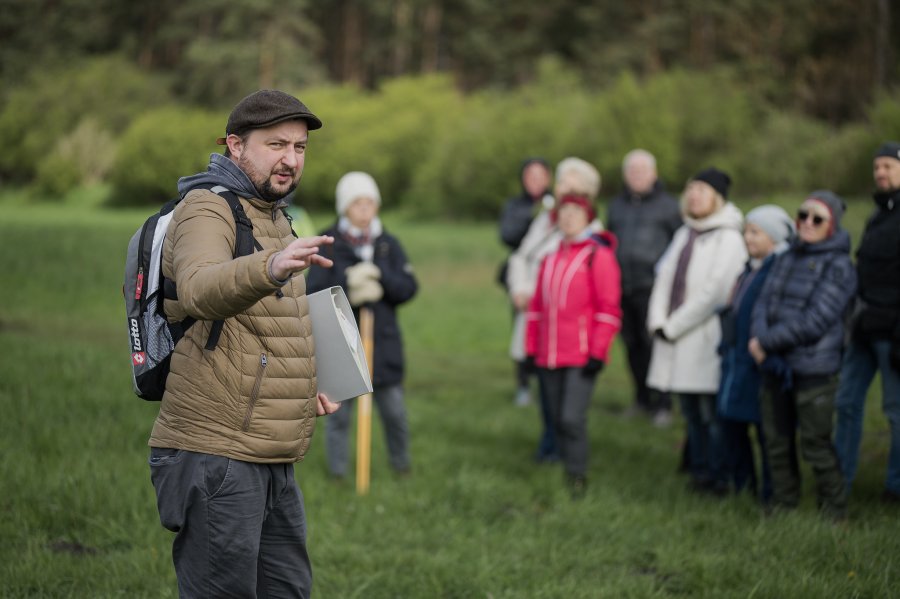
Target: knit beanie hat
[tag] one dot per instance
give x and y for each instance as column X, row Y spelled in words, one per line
column 578, row 200
column 772, row 219
column 716, row 179
column 355, row 185
column 834, row 203
column 890, row 149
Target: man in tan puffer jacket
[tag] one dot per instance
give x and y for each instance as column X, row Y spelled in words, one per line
column 235, row 418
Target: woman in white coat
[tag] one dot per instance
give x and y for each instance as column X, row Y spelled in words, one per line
column 693, row 281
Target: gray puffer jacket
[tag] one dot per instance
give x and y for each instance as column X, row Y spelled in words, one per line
column 800, row 311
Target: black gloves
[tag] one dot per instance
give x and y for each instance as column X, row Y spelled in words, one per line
column 529, row 364
column 593, row 367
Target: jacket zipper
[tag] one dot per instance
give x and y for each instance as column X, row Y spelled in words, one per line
column 254, row 394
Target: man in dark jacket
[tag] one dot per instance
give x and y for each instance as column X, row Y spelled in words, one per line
column 516, row 218
column 875, row 333
column 797, row 338
column 370, row 264
column 643, row 217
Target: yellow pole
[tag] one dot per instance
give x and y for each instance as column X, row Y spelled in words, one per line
column 364, row 406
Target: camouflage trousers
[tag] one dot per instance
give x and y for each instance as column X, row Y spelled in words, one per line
column 805, row 414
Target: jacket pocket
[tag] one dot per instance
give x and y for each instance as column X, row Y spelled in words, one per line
column 254, row 393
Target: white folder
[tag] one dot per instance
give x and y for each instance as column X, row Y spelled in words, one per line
column 341, row 368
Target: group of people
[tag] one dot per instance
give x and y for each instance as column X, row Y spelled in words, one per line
column 236, row 417
column 759, row 321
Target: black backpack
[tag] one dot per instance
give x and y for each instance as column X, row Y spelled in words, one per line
column 152, row 337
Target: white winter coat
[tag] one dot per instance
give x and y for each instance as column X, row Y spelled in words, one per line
column 689, row 361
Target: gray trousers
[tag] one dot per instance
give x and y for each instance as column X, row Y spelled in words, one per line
column 389, row 400
column 240, row 527
column 569, row 395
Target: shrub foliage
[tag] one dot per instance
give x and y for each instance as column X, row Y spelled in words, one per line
column 434, row 151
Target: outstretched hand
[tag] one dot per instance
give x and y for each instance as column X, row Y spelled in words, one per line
column 299, row 255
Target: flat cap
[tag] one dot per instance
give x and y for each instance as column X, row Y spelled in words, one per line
column 265, row 108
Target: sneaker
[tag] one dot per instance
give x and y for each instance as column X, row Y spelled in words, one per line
column 523, row 397
column 662, row 419
column 577, row 485
column 634, row 411
column 888, row 497
column 547, row 458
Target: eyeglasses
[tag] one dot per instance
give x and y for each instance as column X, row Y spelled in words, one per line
column 817, row 220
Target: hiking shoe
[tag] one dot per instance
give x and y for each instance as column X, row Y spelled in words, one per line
column 634, row 411
column 577, row 485
column 523, row 397
column 888, row 497
column 662, row 419
column 547, row 458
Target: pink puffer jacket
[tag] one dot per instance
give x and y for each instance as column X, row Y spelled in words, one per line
column 575, row 312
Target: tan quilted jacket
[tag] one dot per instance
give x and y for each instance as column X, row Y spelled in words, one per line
column 253, row 397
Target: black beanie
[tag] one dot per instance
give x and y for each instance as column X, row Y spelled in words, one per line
column 890, row 149
column 714, row 178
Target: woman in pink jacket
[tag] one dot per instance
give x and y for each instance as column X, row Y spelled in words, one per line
column 571, row 321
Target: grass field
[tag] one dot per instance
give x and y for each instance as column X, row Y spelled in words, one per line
column 478, row 519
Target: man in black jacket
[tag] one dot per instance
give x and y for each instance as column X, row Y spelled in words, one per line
column 644, row 217
column 875, row 334
column 518, row 212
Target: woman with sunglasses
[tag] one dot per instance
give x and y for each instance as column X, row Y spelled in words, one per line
column 797, row 338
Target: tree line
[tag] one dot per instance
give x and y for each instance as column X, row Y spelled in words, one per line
column 825, row 58
column 441, row 101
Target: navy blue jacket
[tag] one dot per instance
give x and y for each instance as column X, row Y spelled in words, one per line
column 399, row 286
column 739, row 390
column 801, row 310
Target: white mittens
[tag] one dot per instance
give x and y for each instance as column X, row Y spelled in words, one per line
column 362, row 284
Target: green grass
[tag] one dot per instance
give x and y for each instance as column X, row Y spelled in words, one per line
column 477, row 518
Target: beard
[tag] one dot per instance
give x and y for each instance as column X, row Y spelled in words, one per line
column 263, row 183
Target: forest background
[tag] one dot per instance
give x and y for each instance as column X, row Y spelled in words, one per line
column 442, row 100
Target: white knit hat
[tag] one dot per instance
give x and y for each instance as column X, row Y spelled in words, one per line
column 355, row 185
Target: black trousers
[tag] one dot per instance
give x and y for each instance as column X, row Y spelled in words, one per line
column 639, row 346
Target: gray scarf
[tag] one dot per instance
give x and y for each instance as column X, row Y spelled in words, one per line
column 221, row 171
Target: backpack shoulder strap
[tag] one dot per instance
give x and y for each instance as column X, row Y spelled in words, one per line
column 290, row 220
column 244, row 245
column 244, row 242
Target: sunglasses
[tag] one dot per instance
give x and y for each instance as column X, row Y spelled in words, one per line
column 817, row 220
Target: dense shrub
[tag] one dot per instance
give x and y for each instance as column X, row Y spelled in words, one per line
column 385, row 133
column 83, row 157
column 687, row 120
column 51, row 105
column 436, row 152
column 159, row 148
